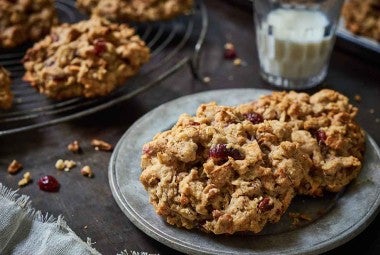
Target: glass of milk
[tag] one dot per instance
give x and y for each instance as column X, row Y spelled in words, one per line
column 295, row 40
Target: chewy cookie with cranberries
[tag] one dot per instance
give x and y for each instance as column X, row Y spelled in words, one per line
column 135, row 10
column 324, row 126
column 222, row 172
column 24, row 20
column 87, row 59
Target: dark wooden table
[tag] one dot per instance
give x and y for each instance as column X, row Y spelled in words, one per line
column 88, row 205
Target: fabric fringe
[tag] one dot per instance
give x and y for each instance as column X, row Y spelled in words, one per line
column 23, row 201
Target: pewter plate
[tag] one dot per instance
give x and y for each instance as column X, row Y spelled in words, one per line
column 335, row 218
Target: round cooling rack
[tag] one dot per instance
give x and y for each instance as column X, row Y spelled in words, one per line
column 169, row 42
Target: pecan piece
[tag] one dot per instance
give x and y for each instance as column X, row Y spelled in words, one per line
column 14, row 167
column 101, row 145
column 74, row 147
column 25, row 180
column 87, row 171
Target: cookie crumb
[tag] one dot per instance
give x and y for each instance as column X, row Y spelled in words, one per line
column 358, row 98
column 101, row 145
column 14, row 167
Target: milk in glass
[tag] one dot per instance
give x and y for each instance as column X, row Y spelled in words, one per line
column 293, row 43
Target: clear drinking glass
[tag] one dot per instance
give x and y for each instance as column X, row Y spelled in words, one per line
column 295, row 40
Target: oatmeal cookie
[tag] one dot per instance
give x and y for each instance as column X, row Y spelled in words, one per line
column 220, row 172
column 324, row 127
column 6, row 97
column 23, row 20
column 136, row 10
column 90, row 59
column 362, row 17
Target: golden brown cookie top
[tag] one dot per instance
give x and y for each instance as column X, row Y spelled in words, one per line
column 362, row 17
column 136, row 10
column 23, row 20
column 90, row 58
column 324, row 126
column 220, row 172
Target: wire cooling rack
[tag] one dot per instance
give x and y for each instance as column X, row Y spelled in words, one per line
column 167, row 41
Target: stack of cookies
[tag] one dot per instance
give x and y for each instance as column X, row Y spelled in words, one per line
column 234, row 169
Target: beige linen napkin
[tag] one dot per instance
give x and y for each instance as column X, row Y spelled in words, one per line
column 24, row 230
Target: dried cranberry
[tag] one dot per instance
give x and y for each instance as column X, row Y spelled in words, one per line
column 48, row 183
column 254, row 117
column 147, row 150
column 230, row 53
column 26, row 58
column 100, row 46
column 220, row 151
column 264, row 205
column 321, row 136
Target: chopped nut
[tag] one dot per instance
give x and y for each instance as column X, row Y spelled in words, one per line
column 297, row 217
column 65, row 165
column 59, row 164
column 87, row 171
column 14, row 167
column 229, row 46
column 27, row 176
column 25, row 180
column 357, row 98
column 237, row 62
column 101, row 145
column 206, row 79
column 74, row 146
column 69, row 164
column 22, row 182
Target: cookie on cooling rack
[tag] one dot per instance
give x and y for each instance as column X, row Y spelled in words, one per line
column 23, row 20
column 87, row 59
column 6, row 97
column 325, row 129
column 362, row 17
column 220, row 172
column 136, row 10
